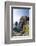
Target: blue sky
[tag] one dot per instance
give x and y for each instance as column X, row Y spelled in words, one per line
column 17, row 13
column 21, row 12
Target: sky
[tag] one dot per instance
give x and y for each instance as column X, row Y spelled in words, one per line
column 17, row 13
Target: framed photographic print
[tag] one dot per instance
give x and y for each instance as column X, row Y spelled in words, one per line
column 19, row 22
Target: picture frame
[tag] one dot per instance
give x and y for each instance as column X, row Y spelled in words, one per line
column 13, row 11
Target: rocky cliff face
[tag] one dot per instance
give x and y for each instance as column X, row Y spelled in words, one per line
column 18, row 28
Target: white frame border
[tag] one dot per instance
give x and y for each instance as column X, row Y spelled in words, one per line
column 18, row 37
